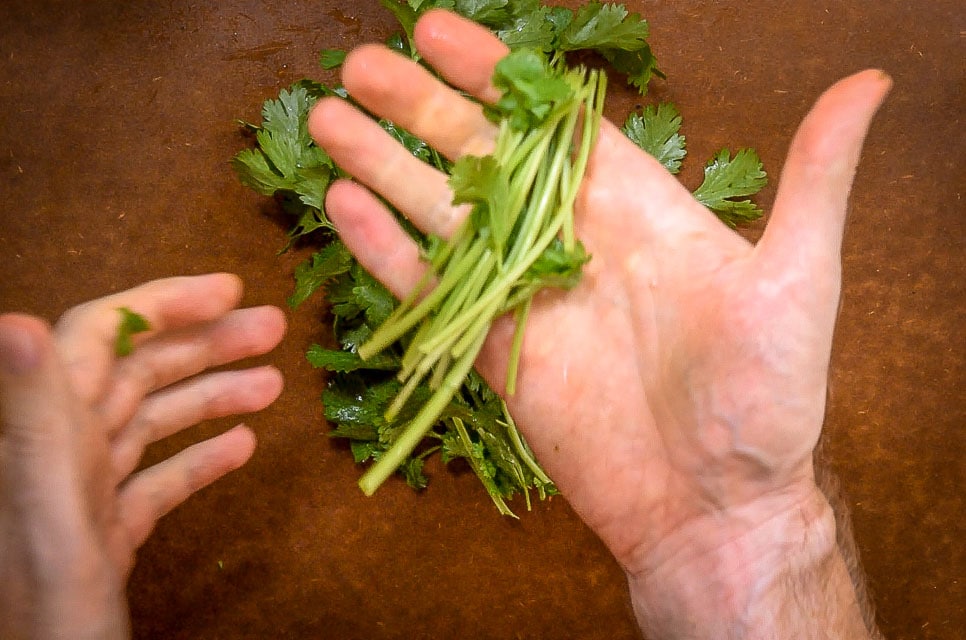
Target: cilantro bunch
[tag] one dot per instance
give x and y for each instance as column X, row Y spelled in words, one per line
column 518, row 238
column 393, row 361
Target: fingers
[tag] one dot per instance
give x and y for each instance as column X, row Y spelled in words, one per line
column 406, row 93
column 363, row 149
column 371, row 233
column 86, row 333
column 396, row 88
column 463, row 52
column 39, row 440
column 153, row 492
column 171, row 410
column 810, row 207
column 168, row 358
column 36, row 407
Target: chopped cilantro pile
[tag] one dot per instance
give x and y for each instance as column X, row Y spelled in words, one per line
column 409, row 363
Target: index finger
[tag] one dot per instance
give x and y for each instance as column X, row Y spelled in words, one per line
column 86, row 334
column 462, row 51
column 399, row 89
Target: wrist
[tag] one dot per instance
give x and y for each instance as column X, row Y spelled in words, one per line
column 770, row 569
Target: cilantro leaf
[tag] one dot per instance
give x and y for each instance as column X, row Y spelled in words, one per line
column 308, row 219
column 535, row 30
column 286, row 161
column 620, row 37
column 347, row 361
column 480, row 182
column 413, row 145
column 656, row 131
column 359, row 407
column 331, row 58
column 530, row 89
column 727, row 178
column 486, row 12
column 604, row 26
column 373, row 298
column 639, row 65
column 406, row 14
column 254, row 171
column 131, row 323
column 557, row 267
column 412, row 470
column 329, row 261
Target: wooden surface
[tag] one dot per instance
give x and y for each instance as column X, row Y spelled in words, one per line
column 116, row 127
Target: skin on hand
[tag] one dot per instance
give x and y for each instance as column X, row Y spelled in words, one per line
column 693, row 364
column 75, row 422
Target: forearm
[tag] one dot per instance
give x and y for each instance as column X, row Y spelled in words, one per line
column 784, row 578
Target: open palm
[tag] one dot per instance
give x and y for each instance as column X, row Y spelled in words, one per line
column 683, row 381
column 75, row 420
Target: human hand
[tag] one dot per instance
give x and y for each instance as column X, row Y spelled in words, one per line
column 75, row 422
column 676, row 395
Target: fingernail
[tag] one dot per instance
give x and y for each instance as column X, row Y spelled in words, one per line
column 19, row 352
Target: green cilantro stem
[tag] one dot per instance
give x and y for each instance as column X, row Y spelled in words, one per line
column 387, row 464
column 513, row 366
column 523, row 197
column 523, row 451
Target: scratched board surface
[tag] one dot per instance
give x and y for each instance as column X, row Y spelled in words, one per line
column 118, row 121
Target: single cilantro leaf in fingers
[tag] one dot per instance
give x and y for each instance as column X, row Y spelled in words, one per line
column 331, row 58
column 131, row 323
column 727, row 178
column 656, row 130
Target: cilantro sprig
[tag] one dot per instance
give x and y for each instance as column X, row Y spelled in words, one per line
column 473, row 425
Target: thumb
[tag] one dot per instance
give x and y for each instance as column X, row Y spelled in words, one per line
column 809, row 214
column 35, row 408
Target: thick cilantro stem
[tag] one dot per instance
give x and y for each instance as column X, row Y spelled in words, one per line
column 513, row 365
column 522, row 450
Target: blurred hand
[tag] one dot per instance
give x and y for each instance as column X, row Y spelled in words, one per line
column 75, row 422
column 676, row 395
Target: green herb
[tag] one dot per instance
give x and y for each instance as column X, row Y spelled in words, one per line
column 286, row 162
column 373, row 361
column 727, row 178
column 131, row 323
column 331, row 58
column 522, row 199
column 656, row 131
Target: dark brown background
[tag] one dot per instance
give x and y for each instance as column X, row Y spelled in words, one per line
column 116, row 126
